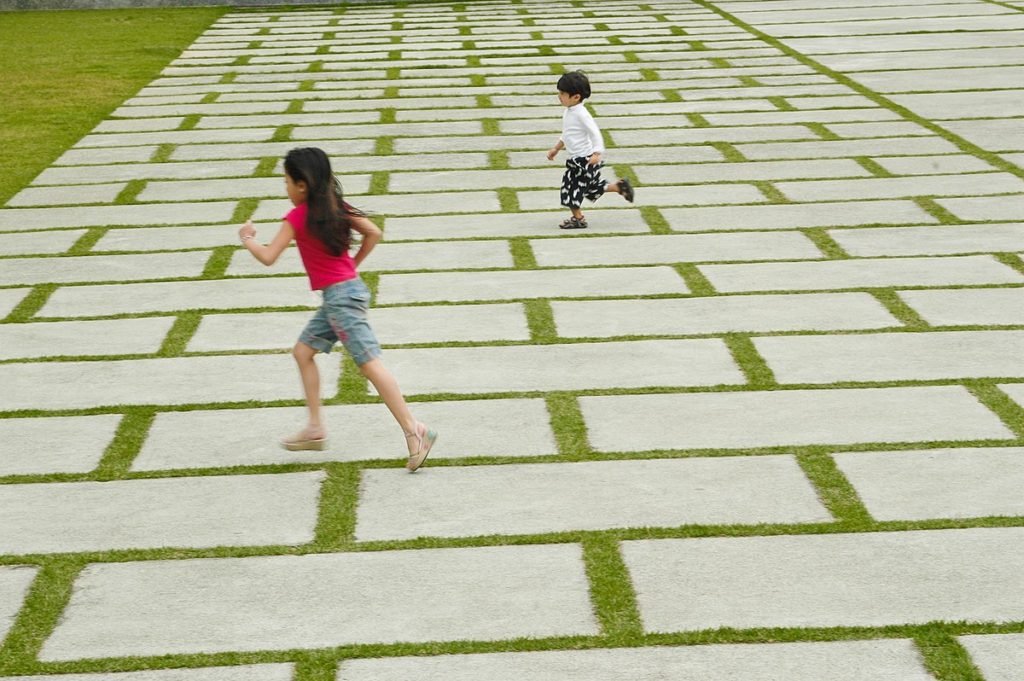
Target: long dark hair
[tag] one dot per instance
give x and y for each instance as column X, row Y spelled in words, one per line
column 328, row 217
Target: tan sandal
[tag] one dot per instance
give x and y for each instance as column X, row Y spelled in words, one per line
column 425, row 439
column 301, row 442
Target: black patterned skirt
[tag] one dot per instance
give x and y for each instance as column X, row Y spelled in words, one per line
column 581, row 181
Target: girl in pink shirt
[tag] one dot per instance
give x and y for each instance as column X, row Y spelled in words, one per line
column 321, row 225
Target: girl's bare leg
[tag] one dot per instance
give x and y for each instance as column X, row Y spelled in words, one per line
column 387, row 387
column 310, row 375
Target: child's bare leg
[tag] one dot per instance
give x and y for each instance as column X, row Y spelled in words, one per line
column 577, row 213
column 310, row 375
column 387, row 387
column 613, row 188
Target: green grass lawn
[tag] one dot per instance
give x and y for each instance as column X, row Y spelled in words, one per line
column 63, row 72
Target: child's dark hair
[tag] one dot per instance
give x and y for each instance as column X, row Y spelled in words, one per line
column 328, row 217
column 575, row 83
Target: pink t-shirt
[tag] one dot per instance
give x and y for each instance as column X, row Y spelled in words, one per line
column 323, row 268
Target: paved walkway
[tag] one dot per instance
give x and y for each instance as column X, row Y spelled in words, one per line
column 765, row 423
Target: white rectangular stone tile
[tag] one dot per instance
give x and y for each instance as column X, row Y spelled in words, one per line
column 172, row 296
column 73, row 157
column 307, row 118
column 19, row 219
column 925, row 59
column 937, row 483
column 394, row 257
column 934, row 165
column 317, row 132
column 199, row 512
column 129, row 139
column 246, row 672
column 876, row 147
column 392, row 326
column 103, row 268
column 984, row 208
column 67, row 195
column 416, row 145
column 953, row 105
column 15, row 581
column 513, row 285
column 879, row 129
column 142, row 171
column 720, row 314
column 179, row 380
column 33, row 243
column 142, row 124
column 971, row 306
column 357, row 432
column 10, row 298
column 739, row 172
column 894, row 356
column 953, row 239
column 405, row 204
column 541, row 223
column 596, row 495
column 94, row 337
column 1000, row 657
column 679, row 195
column 671, row 248
column 876, row 660
column 635, row 155
column 162, row 238
column 477, row 179
column 636, row 423
column 959, row 23
column 861, row 273
column 898, row 187
column 636, row 364
column 325, row 600
column 334, row 148
column 863, row 579
column 996, row 134
column 237, row 188
column 712, row 134
column 73, row 444
column 795, row 216
column 811, row 116
column 211, row 109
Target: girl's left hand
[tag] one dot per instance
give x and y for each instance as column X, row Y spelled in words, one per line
column 246, row 230
column 595, row 158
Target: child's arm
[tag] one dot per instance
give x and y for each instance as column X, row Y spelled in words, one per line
column 553, row 151
column 371, row 235
column 266, row 254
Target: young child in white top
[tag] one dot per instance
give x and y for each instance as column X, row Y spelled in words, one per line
column 581, row 138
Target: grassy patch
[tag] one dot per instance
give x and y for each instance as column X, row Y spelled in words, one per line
column 52, row 97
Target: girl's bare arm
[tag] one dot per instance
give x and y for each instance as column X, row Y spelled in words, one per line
column 269, row 253
column 371, row 236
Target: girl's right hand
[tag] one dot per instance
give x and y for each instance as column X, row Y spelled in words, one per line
column 247, row 230
column 552, row 153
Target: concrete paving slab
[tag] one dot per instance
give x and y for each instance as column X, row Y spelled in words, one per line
column 595, row 495
column 15, row 581
column 103, row 268
column 540, row 223
column 305, row 118
column 925, row 59
column 359, row 432
column 74, row 444
column 237, row 188
column 794, row 216
column 879, row 129
column 636, row 364
column 720, row 314
column 672, row 248
column 875, row 147
column 998, row 656
column 514, row 285
column 94, row 337
column 475, row 179
column 945, row 79
column 18, row 219
column 992, row 133
column 181, row 380
column 953, row 105
column 934, row 165
column 317, row 132
column 405, row 204
column 101, row 156
column 129, row 139
column 973, row 306
column 222, row 294
column 689, row 154
column 894, row 356
column 878, row 660
column 36, row 243
column 145, row 171
column 937, row 483
column 246, row 672
column 771, row 419
column 66, row 195
column 759, row 133
column 393, row 257
column 335, row 148
column 988, row 238
column 198, row 512
column 749, row 171
column 142, row 124
column 980, row 208
column 861, row 273
column 865, row 579
column 672, row 195
column 10, row 298
column 325, row 600
column 158, row 238
column 392, row 325
column 898, row 187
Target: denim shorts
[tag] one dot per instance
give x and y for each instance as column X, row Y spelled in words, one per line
column 342, row 317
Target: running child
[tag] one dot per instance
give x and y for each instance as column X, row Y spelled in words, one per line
column 321, row 225
column 584, row 145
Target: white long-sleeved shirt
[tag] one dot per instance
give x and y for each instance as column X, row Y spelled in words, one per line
column 580, row 133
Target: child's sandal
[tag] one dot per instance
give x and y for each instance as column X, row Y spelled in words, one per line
column 425, row 438
column 626, row 189
column 573, row 223
column 303, row 441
